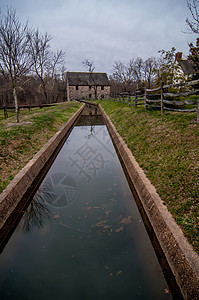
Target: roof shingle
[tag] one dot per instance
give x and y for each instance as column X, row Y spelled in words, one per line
column 88, row 79
column 187, row 67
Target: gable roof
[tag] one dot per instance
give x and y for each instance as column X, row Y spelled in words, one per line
column 187, row 67
column 86, row 78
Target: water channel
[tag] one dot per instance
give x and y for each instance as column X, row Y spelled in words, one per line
column 82, row 236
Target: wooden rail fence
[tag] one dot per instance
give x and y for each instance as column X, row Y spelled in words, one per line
column 12, row 108
column 161, row 99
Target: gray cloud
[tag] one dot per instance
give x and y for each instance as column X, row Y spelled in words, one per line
column 106, row 31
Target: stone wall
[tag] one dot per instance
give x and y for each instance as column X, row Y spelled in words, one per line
column 88, row 92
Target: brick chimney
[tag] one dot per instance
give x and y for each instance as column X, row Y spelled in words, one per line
column 178, row 56
column 197, row 42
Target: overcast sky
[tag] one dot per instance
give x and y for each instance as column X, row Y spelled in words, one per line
column 105, row 31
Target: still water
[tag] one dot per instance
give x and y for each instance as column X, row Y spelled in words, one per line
column 82, row 236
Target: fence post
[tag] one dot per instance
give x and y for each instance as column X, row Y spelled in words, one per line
column 162, row 98
column 198, row 112
column 145, row 98
column 5, row 112
column 135, row 99
column 129, row 99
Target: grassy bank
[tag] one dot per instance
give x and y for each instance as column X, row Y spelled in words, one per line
column 18, row 144
column 167, row 149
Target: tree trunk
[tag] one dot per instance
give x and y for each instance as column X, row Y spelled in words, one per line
column 15, row 100
column 4, row 106
column 46, row 96
column 95, row 93
column 45, row 92
column 149, row 83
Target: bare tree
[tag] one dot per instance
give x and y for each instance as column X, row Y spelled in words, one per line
column 57, row 60
column 137, row 68
column 14, row 58
column 150, row 70
column 91, row 68
column 123, row 73
column 193, row 24
column 89, row 65
column 129, row 73
column 39, row 51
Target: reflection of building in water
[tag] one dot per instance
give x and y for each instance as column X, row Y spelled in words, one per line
column 88, row 161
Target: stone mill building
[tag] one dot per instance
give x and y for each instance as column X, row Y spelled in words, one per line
column 87, row 85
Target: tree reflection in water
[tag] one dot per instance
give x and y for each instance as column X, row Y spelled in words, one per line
column 37, row 212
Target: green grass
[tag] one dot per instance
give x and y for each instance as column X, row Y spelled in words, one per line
column 18, row 144
column 166, row 147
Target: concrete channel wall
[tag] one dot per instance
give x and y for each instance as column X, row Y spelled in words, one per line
column 182, row 259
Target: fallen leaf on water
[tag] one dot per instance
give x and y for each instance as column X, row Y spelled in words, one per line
column 64, row 225
column 166, row 291
column 106, row 226
column 126, row 220
column 106, row 267
column 119, row 272
column 94, row 207
column 56, row 216
column 107, row 212
column 100, row 224
column 119, row 229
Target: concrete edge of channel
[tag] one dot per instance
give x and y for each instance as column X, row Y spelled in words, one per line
column 183, row 260
column 17, row 188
